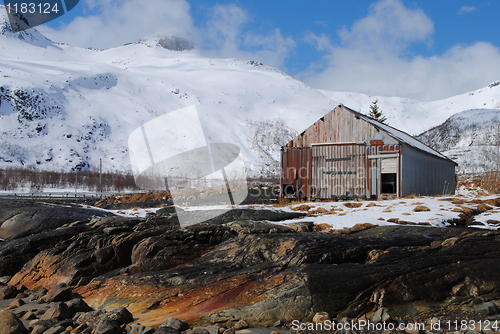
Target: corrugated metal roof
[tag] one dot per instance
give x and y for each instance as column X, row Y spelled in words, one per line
column 399, row 135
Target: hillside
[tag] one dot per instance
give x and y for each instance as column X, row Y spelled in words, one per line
column 416, row 117
column 471, row 138
column 65, row 108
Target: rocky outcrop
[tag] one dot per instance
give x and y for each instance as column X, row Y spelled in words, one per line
column 236, row 268
column 24, row 218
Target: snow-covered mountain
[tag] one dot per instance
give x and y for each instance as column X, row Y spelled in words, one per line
column 416, row 117
column 64, row 107
column 471, row 138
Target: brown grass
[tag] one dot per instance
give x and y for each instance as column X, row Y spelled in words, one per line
column 316, row 211
column 483, row 207
column 353, row 205
column 421, row 208
column 302, row 207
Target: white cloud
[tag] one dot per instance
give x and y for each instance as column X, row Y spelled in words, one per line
column 226, row 36
column 374, row 58
column 390, row 26
column 117, row 22
column 112, row 23
column 466, row 10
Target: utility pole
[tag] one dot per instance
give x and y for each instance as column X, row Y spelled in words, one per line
column 100, row 176
column 497, row 176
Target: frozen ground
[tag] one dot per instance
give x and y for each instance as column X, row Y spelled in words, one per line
column 482, row 210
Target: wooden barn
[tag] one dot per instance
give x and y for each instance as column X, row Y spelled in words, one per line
column 346, row 154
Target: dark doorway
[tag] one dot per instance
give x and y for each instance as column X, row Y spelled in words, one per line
column 389, row 182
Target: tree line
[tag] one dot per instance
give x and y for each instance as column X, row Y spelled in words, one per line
column 15, row 179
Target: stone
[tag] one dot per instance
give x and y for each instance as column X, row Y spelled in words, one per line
column 59, row 310
column 167, row 330
column 175, row 323
column 37, row 293
column 55, row 330
column 380, row 315
column 89, row 319
column 240, row 324
column 321, row 317
column 213, row 329
column 16, row 303
column 199, row 330
column 7, row 292
column 59, row 293
column 120, row 315
column 489, row 308
column 10, row 323
column 29, row 316
column 302, row 227
column 229, row 331
column 279, row 323
column 108, row 326
column 38, row 329
column 139, row 329
column 78, row 305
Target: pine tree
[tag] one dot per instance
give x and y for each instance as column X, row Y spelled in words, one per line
column 376, row 114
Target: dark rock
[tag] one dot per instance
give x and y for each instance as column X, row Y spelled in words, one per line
column 108, row 326
column 139, row 329
column 489, row 308
column 55, row 330
column 279, row 323
column 57, row 310
column 7, row 292
column 10, row 323
column 89, row 319
column 302, row 227
column 200, row 330
column 22, row 218
column 59, row 293
column 104, row 255
column 39, row 329
column 175, row 323
column 120, row 315
column 38, row 293
column 78, row 305
column 166, row 330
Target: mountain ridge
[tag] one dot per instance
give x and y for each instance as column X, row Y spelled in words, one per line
column 67, row 108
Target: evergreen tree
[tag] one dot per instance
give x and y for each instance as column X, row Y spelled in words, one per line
column 376, row 114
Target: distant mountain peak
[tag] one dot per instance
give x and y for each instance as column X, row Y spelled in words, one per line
column 31, row 36
column 169, row 42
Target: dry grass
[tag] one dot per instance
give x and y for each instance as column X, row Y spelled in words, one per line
column 316, row 211
column 421, row 208
column 302, row 207
column 353, row 205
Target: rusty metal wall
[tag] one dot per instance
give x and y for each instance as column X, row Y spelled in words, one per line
column 296, row 171
column 339, row 170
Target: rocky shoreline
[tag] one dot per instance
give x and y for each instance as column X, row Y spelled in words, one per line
column 239, row 268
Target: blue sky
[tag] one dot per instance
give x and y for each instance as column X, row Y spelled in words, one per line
column 420, row 49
